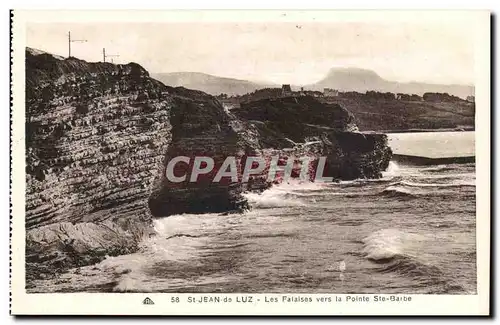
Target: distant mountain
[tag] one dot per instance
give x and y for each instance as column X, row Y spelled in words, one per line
column 343, row 79
column 210, row 84
column 361, row 80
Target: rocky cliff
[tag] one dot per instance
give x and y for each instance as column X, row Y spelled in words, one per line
column 318, row 129
column 95, row 138
column 99, row 137
column 202, row 128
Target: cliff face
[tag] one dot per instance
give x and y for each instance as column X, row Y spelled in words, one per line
column 329, row 128
column 95, row 137
column 99, row 137
column 297, row 118
column 201, row 128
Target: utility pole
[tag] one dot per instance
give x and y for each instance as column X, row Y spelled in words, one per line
column 73, row 40
column 104, row 55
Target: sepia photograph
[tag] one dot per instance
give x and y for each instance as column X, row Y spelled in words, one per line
column 285, row 156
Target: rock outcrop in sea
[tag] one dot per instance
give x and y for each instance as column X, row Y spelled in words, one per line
column 99, row 137
column 313, row 128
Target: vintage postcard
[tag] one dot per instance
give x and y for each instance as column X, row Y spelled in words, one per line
column 250, row 163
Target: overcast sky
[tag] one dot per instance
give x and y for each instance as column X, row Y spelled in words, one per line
column 279, row 52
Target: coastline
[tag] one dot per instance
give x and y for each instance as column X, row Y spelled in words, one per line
column 420, row 160
column 464, row 129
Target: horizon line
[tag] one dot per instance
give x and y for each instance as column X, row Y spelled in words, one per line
column 268, row 81
column 275, row 83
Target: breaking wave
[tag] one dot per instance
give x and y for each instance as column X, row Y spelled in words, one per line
column 392, row 170
column 446, row 168
column 456, row 183
column 287, row 194
column 271, row 199
column 398, row 191
column 396, row 251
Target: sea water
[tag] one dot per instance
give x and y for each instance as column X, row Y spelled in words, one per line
column 413, row 231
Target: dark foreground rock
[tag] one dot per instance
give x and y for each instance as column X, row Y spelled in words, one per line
column 99, row 137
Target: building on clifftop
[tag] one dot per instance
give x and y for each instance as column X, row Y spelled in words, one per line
column 286, row 90
column 328, row 92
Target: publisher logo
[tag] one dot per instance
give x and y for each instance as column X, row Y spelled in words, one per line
column 148, row 301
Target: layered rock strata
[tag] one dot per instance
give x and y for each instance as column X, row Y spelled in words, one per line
column 99, row 137
column 201, row 128
column 313, row 128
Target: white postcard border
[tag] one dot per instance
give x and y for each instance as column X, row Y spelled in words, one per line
column 131, row 303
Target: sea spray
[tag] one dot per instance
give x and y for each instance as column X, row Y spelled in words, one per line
column 286, row 194
column 392, row 170
column 271, row 198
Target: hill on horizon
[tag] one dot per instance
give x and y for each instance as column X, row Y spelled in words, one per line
column 362, row 80
column 211, row 84
column 343, row 79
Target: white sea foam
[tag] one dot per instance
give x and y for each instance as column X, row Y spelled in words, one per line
column 286, row 194
column 395, row 189
column 453, row 183
column 392, row 170
column 297, row 184
column 272, row 198
column 179, row 238
column 386, row 243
